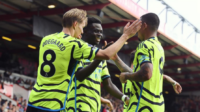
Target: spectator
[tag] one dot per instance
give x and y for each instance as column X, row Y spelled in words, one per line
column 17, row 109
column 4, row 106
column 7, row 74
column 14, row 108
column 20, row 81
column 24, row 102
column 20, row 101
column 0, row 100
column 15, row 97
column 9, row 105
column 21, row 109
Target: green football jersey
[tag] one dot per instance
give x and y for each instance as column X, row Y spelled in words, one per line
column 58, row 57
column 89, row 90
column 150, row 91
column 127, row 90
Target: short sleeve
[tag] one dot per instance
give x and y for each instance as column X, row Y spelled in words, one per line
column 83, row 50
column 145, row 54
column 105, row 73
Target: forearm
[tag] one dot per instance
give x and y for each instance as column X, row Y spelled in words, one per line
column 168, row 79
column 86, row 71
column 110, row 51
column 114, row 48
column 112, row 89
column 141, row 75
column 102, row 100
column 121, row 65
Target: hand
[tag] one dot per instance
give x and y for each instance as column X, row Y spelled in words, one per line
column 131, row 29
column 107, row 45
column 109, row 104
column 127, row 100
column 122, row 77
column 177, row 88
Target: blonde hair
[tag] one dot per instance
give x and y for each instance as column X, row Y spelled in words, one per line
column 73, row 15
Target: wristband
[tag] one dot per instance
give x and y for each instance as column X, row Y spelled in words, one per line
column 174, row 84
column 123, row 98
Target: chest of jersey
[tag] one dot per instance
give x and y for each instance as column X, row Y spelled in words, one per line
column 96, row 75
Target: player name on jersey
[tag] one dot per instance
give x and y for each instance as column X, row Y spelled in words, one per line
column 55, row 42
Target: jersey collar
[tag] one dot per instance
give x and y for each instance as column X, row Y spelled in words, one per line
column 154, row 38
column 62, row 33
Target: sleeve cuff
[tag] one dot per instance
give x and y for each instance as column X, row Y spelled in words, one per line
column 145, row 62
column 97, row 51
column 93, row 54
column 105, row 77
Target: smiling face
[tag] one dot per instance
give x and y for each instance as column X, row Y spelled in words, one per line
column 94, row 34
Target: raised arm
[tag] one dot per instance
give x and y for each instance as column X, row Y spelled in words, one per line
column 129, row 31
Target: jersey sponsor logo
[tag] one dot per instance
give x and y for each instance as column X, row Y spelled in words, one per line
column 95, row 74
column 54, row 42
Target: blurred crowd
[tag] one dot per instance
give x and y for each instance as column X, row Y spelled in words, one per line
column 7, row 106
column 117, row 104
column 25, row 83
column 186, row 104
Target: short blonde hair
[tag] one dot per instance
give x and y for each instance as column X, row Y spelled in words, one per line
column 73, row 15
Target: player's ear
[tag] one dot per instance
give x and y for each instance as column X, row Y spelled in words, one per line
column 145, row 25
column 75, row 25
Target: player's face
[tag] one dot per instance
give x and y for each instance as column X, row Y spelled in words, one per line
column 79, row 29
column 95, row 34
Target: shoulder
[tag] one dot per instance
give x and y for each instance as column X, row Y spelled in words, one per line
column 145, row 45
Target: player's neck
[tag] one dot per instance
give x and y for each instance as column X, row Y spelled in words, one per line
column 151, row 35
column 68, row 31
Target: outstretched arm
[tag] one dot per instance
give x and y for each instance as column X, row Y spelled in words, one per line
column 121, row 65
column 176, row 86
column 141, row 75
column 168, row 80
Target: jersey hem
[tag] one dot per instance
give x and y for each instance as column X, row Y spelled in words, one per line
column 45, row 108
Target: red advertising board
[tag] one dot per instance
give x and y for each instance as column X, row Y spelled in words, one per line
column 7, row 89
